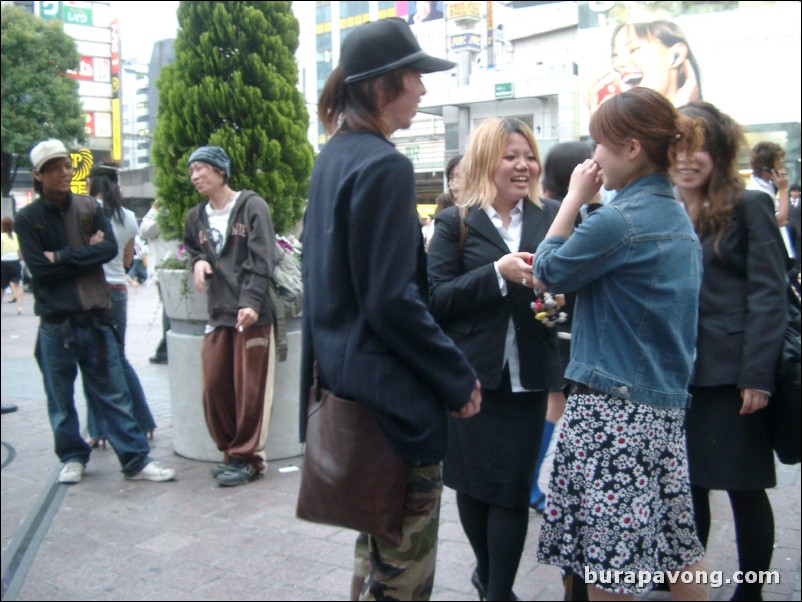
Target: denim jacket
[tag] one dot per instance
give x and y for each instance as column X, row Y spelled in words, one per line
column 636, row 265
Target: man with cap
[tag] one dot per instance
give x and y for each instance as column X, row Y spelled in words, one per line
column 65, row 239
column 231, row 244
column 365, row 311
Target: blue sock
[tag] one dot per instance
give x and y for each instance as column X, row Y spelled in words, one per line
column 536, row 494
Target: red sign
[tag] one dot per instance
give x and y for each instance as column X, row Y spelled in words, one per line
column 86, row 69
column 114, row 30
column 89, row 126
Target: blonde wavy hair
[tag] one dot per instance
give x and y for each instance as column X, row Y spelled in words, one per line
column 484, row 154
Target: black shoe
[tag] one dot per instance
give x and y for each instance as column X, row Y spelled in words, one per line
column 238, row 473
column 9, row 409
column 480, row 588
column 157, row 359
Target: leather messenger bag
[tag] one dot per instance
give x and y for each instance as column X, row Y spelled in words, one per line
column 351, row 476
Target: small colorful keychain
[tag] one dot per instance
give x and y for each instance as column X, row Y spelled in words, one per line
column 546, row 306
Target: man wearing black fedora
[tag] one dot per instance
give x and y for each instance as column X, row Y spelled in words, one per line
column 365, row 317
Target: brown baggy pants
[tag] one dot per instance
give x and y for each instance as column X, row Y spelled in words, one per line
column 238, row 390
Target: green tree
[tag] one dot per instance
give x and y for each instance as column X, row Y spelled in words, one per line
column 233, row 85
column 38, row 99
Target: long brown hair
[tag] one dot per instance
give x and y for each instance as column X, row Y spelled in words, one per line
column 8, row 226
column 357, row 106
column 723, row 138
column 648, row 117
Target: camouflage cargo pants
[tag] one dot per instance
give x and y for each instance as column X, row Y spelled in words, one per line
column 384, row 572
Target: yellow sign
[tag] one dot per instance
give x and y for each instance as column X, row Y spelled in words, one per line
column 463, row 10
column 82, row 161
column 426, row 209
column 116, row 134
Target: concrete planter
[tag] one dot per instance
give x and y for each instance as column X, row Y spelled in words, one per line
column 185, row 306
column 188, row 315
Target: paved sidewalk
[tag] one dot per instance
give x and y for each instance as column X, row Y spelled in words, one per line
column 110, row 539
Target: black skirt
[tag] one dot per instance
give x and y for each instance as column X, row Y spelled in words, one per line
column 491, row 457
column 726, row 450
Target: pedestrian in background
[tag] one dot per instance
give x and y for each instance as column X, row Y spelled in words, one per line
column 158, row 249
column 231, row 243
column 365, row 317
column 105, row 187
column 619, row 497
column 65, row 239
column 11, row 266
column 481, row 282
column 138, row 272
column 453, row 182
column 742, row 322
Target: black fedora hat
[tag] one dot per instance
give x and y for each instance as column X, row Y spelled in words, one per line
column 380, row 46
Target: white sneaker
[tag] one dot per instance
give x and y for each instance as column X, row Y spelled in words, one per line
column 153, row 472
column 71, row 473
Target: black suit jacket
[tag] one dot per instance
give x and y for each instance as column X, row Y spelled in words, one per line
column 742, row 302
column 467, row 302
column 365, row 310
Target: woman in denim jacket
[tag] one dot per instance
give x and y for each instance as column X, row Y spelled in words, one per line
column 740, row 338
column 619, row 498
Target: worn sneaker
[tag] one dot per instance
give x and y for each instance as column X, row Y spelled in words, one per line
column 153, row 472
column 238, row 474
column 71, row 473
column 218, row 470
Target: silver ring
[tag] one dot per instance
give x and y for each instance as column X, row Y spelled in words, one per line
column 523, row 280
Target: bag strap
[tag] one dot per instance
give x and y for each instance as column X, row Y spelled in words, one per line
column 315, row 390
column 463, row 227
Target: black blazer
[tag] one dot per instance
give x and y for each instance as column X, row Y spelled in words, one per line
column 467, row 302
column 742, row 302
column 365, row 307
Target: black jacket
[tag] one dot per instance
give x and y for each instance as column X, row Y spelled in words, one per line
column 74, row 282
column 742, row 302
column 467, row 303
column 242, row 271
column 365, row 314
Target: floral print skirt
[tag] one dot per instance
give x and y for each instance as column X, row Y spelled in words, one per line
column 619, row 499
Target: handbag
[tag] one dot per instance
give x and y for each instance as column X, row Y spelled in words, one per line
column 351, row 477
column 785, row 406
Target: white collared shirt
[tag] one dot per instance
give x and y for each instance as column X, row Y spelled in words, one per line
column 767, row 186
column 512, row 237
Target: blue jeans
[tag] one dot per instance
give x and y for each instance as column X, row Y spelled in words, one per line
column 142, row 415
column 106, row 385
column 138, row 271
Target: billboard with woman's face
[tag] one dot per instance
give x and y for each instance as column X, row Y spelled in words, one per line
column 737, row 58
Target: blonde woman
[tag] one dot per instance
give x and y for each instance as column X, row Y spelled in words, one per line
column 481, row 287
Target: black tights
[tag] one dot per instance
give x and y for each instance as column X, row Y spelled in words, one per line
column 754, row 532
column 497, row 536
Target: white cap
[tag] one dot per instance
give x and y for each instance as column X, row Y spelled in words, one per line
column 47, row 150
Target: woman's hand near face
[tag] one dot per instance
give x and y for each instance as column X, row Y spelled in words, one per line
column 584, row 185
column 600, row 90
column 689, row 91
